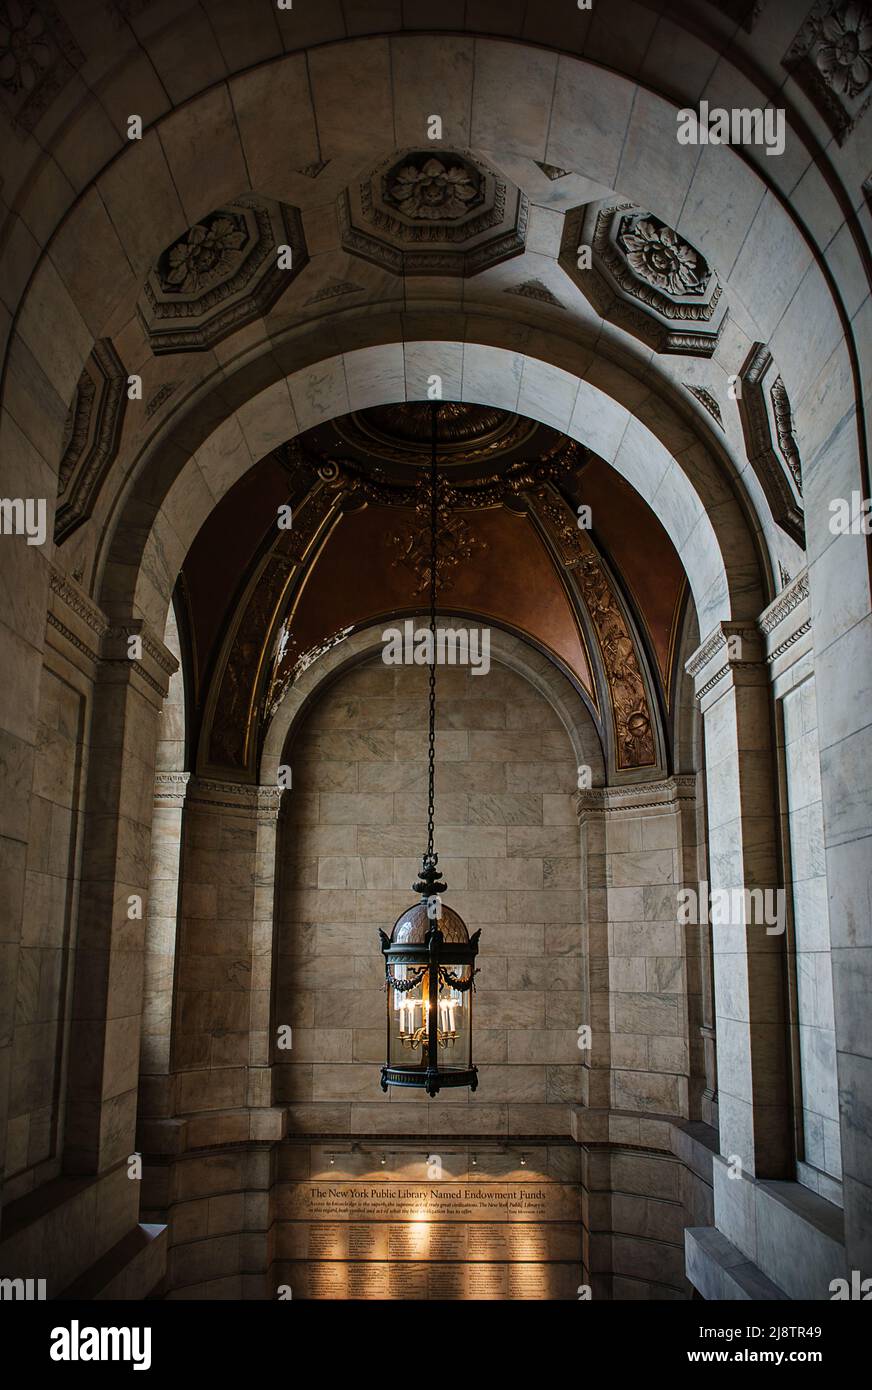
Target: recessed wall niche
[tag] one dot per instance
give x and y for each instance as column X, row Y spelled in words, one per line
column 350, row 849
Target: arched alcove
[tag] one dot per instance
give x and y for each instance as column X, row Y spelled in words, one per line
column 739, row 425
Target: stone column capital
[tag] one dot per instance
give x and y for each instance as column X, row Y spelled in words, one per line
column 131, row 645
column 170, row 789
column 636, row 796
column 240, row 798
column 732, row 654
column 786, row 625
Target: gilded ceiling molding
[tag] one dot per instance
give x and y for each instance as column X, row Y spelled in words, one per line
column 770, row 443
column 633, row 726
column 457, row 541
column 91, row 436
column 232, row 711
column 253, row 670
column 370, row 482
column 644, row 277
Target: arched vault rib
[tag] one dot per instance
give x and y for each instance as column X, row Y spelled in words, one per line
column 192, row 466
column 511, row 651
column 63, row 305
column 270, row 638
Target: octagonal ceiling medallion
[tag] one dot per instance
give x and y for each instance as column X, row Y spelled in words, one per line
column 221, row 274
column 426, row 213
column 645, row 277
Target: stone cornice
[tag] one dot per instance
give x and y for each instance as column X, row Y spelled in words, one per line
column 637, row 796
column 170, row 788
column 84, row 629
column 244, row 797
column 786, row 624
column 786, row 602
column 71, row 637
column 76, row 599
column 151, row 644
column 733, row 646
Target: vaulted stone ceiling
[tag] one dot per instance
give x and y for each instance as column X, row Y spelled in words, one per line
column 261, row 601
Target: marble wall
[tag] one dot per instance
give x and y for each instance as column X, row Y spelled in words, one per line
column 814, row 973
column 508, row 842
column 640, row 850
column 36, row 1099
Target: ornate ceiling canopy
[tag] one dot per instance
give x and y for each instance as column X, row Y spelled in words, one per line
column 469, row 435
column 512, row 553
column 482, row 450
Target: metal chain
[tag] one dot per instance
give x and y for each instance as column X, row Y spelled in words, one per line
column 432, row 743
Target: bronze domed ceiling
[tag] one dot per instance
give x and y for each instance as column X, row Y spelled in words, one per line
column 604, row 603
column 475, row 443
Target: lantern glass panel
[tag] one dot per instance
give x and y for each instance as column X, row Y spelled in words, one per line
column 409, row 1017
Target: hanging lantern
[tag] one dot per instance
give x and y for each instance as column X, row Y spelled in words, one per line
column 430, row 956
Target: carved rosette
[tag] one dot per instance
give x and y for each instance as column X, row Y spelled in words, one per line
column 221, row 274
column 635, row 745
column 831, row 60
column 645, row 277
column 38, row 57
column 767, row 424
column 91, row 435
column 433, row 214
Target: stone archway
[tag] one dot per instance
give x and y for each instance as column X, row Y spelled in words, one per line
column 79, row 253
column 663, row 460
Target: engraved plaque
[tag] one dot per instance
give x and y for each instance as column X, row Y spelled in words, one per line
column 357, row 1239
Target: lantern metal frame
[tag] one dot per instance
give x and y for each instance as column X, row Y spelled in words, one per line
column 432, row 953
column 435, row 956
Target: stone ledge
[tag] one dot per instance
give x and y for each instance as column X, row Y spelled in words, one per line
column 696, row 1144
column 718, row 1271
column 62, row 1229
column 213, row 1129
column 693, row 1142
column 794, row 1236
column 132, row 1269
